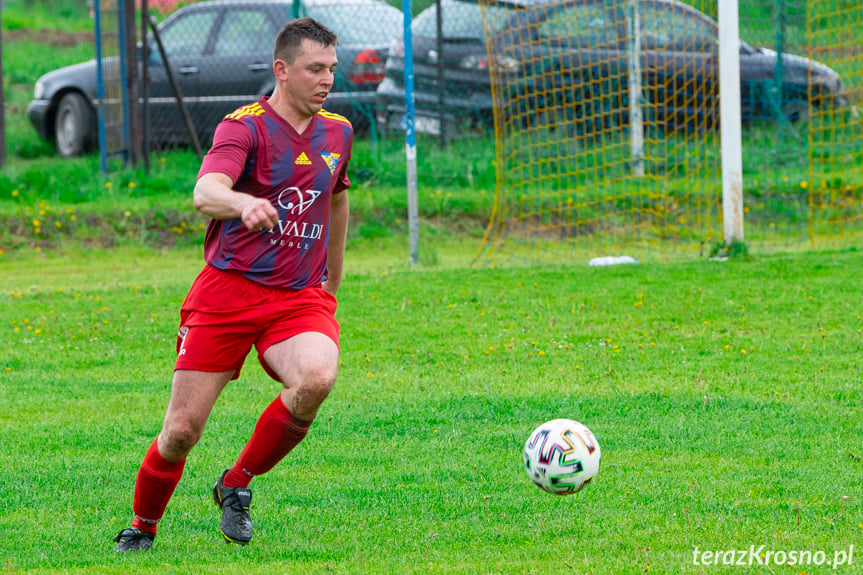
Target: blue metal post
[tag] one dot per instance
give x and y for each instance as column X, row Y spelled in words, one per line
column 100, row 89
column 410, row 136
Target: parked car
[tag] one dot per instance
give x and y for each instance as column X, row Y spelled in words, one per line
column 562, row 54
column 221, row 54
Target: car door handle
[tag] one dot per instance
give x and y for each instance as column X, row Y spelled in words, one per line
column 258, row 67
column 188, row 70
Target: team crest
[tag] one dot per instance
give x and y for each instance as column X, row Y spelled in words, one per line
column 332, row 161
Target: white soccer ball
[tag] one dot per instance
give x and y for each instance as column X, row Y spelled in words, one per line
column 561, row 456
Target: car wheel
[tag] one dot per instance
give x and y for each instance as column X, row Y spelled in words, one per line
column 74, row 125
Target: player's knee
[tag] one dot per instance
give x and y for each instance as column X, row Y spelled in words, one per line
column 180, row 437
column 315, row 386
column 318, row 385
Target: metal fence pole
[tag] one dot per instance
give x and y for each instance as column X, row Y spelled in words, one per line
column 441, row 76
column 410, row 137
column 132, row 86
column 100, row 90
column 636, row 120
column 145, row 83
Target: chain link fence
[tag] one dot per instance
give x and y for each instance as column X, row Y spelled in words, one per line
column 208, row 59
column 520, row 74
column 800, row 88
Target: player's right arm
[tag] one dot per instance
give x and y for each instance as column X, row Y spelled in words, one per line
column 214, row 196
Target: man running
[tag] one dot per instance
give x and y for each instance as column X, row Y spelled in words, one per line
column 275, row 187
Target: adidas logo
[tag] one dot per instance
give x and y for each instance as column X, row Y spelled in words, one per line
column 303, row 160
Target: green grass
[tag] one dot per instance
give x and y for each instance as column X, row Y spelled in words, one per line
column 725, row 398
column 66, row 15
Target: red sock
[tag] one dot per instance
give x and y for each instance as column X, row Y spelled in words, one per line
column 156, row 481
column 276, row 434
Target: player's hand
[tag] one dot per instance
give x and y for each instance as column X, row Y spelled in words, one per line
column 259, row 214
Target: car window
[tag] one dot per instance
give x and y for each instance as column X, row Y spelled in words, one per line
column 188, row 34
column 461, row 20
column 581, row 26
column 360, row 23
column 245, row 32
column 669, row 28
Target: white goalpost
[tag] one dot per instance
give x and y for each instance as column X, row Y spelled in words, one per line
column 730, row 121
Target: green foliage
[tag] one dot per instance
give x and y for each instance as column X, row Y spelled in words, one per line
column 735, row 250
column 66, row 15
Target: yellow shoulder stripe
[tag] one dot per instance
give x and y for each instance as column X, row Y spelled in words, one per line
column 335, row 117
column 248, row 110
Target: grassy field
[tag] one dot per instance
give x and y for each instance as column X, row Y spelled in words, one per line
column 726, row 398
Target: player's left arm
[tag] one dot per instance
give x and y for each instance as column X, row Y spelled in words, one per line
column 339, row 215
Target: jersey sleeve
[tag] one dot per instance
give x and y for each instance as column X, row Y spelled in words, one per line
column 233, row 144
column 343, row 183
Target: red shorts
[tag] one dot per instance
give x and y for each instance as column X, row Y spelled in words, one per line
column 225, row 314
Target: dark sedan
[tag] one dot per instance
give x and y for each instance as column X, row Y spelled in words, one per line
column 573, row 56
column 221, row 56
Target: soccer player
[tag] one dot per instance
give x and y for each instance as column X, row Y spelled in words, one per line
column 275, row 186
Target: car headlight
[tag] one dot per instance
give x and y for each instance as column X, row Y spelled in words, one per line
column 39, row 90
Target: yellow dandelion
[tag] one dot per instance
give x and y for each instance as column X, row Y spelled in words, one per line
column 15, row 193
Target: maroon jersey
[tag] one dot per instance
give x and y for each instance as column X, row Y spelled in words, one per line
column 298, row 173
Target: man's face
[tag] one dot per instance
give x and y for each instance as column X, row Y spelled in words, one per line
column 310, row 77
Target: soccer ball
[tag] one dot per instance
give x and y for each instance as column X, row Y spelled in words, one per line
column 561, row 456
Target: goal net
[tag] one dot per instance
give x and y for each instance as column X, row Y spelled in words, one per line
column 607, row 128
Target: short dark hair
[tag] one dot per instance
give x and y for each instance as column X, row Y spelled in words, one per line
column 291, row 37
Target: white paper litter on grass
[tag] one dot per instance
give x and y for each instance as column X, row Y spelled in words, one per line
column 612, row 261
